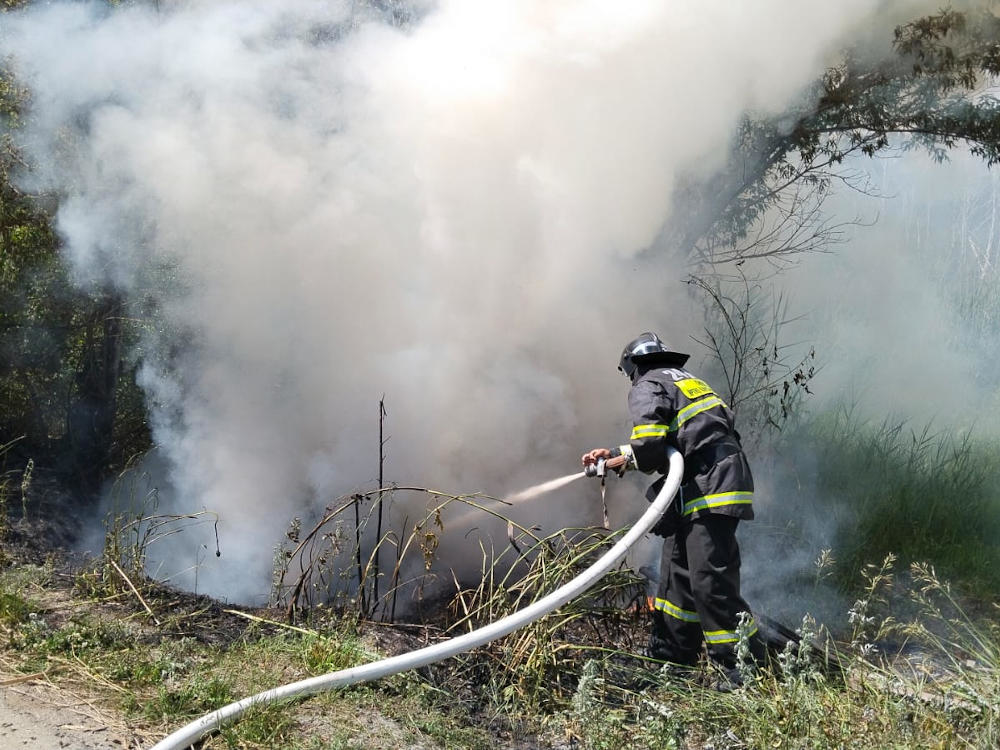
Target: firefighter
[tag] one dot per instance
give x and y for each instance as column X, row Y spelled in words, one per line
column 698, row 598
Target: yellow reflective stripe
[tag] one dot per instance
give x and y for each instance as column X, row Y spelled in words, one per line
column 693, row 410
column 726, row 636
column 673, row 610
column 649, row 430
column 721, row 636
column 717, row 500
column 689, row 411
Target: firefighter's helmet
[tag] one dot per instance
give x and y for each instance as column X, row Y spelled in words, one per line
column 648, row 348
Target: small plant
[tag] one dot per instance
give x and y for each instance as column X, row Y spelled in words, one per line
column 593, row 724
column 265, row 726
column 745, row 663
column 798, row 662
column 866, row 628
column 29, row 470
column 14, row 609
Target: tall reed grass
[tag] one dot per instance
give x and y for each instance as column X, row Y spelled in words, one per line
column 923, row 495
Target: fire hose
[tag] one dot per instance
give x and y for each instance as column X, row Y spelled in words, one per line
column 191, row 733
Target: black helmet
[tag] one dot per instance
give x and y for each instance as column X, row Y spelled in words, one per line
column 647, row 347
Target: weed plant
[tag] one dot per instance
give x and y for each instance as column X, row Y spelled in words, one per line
column 538, row 665
column 940, row 687
column 132, row 526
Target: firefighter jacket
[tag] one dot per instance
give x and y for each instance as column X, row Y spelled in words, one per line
column 671, row 407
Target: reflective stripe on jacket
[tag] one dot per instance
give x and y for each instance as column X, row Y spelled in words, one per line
column 671, row 407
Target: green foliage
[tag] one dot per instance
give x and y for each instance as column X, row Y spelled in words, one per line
column 926, row 90
column 64, row 385
column 14, row 609
column 944, row 693
column 262, row 726
column 190, row 700
column 77, row 636
column 909, row 492
column 323, row 654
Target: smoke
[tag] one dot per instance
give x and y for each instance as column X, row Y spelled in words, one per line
column 904, row 318
column 313, row 207
column 903, row 302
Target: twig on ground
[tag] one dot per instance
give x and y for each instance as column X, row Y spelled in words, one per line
column 23, row 678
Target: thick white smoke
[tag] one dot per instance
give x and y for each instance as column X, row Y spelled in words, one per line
column 323, row 208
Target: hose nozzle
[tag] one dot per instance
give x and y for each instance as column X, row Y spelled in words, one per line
column 595, row 470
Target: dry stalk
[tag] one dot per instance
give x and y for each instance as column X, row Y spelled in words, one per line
column 79, row 667
column 265, row 621
column 134, row 590
column 24, row 678
column 544, row 652
column 313, row 550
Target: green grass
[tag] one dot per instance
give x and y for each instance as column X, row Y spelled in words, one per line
column 14, row 609
column 563, row 680
column 893, row 487
column 945, row 694
column 16, row 605
column 161, row 682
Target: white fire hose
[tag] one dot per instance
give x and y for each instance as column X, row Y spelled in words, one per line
column 191, row 733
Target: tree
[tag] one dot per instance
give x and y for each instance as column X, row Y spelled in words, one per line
column 927, row 92
column 66, row 393
column 766, row 207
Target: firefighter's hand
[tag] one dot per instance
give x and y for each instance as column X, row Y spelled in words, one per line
column 617, row 465
column 592, row 457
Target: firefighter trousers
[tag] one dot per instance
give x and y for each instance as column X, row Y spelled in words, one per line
column 698, row 599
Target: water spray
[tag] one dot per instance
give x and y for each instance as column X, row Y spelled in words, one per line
column 191, row 733
column 540, row 489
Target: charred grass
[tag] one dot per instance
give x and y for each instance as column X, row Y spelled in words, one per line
column 154, row 658
column 199, row 656
column 565, row 683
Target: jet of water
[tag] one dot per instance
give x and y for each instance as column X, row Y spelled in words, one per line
column 540, row 489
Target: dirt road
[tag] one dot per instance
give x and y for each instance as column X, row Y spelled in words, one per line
column 41, row 717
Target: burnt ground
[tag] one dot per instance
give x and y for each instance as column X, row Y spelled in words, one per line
column 43, row 710
column 65, row 706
